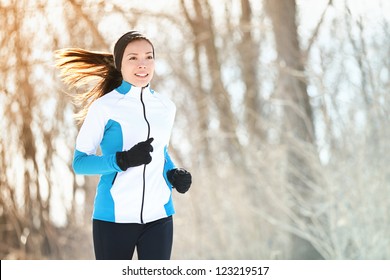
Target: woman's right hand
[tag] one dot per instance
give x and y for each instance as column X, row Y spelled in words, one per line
column 138, row 155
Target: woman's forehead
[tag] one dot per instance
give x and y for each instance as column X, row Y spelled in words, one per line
column 139, row 46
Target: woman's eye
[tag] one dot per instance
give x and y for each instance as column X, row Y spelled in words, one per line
column 132, row 58
column 150, row 57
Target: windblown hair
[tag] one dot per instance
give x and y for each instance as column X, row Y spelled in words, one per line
column 79, row 68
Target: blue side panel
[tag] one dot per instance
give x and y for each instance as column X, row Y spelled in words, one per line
column 169, row 209
column 104, row 203
column 111, row 143
column 168, row 161
column 104, row 165
column 168, row 165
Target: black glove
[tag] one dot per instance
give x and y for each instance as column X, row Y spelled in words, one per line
column 139, row 154
column 180, row 179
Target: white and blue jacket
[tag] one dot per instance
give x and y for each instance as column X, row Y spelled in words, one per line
column 116, row 122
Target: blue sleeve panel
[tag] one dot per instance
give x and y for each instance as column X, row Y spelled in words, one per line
column 92, row 164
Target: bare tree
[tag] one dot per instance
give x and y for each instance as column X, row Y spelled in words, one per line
column 291, row 88
column 275, row 169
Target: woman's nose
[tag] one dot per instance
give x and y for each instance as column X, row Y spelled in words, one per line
column 142, row 64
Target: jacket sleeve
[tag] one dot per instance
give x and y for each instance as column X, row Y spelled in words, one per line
column 85, row 159
column 85, row 164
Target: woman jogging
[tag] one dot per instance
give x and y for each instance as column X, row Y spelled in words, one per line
column 131, row 124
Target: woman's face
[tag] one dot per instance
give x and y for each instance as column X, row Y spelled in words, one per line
column 138, row 63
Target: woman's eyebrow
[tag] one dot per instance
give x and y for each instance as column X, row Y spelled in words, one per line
column 138, row 53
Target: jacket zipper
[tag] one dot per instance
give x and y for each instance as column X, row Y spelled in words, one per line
column 144, row 172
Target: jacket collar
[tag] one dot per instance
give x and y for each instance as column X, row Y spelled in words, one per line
column 126, row 88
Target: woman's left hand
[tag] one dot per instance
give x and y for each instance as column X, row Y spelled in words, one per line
column 180, row 179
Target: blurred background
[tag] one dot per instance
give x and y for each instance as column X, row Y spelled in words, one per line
column 282, row 119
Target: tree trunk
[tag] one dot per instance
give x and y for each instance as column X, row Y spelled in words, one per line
column 203, row 30
column 248, row 51
column 298, row 119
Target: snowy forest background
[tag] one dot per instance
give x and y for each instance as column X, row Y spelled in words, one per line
column 282, row 119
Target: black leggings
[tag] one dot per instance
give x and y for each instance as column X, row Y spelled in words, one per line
column 117, row 241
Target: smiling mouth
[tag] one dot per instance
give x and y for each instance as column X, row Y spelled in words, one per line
column 142, row 75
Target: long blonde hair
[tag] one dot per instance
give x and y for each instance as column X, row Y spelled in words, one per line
column 80, row 67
